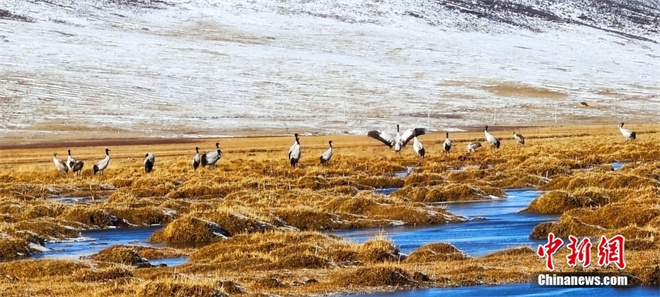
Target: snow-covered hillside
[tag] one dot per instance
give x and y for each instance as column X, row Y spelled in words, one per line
column 98, row 68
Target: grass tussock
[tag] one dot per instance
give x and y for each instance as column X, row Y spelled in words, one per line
column 637, row 238
column 308, row 218
column 40, row 268
column 178, row 288
column 566, row 226
column 48, row 228
column 618, row 215
column 371, row 208
column 448, row 192
column 202, row 189
column 434, row 252
column 12, row 247
column 424, row 179
column 557, row 202
column 294, row 250
column 121, row 254
column 378, row 250
column 521, row 251
column 102, row 274
column 157, row 253
column 189, row 229
column 379, row 276
column 89, row 216
column 605, row 180
column 546, row 166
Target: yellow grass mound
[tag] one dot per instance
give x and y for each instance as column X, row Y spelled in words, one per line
column 40, row 268
column 377, row 277
column 190, row 229
column 566, row 226
column 121, row 254
column 102, row 274
column 557, row 202
column 178, row 288
column 436, row 252
column 290, row 250
column 448, row 192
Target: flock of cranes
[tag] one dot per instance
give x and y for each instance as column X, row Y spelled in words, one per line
column 397, row 142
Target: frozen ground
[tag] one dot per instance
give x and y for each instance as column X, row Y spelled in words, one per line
column 100, row 68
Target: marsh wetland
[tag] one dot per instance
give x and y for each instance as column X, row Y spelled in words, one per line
column 253, row 225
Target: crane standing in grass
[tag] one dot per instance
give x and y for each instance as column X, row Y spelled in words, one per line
column 70, row 160
column 149, row 160
column 446, row 146
column 628, row 134
column 418, row 147
column 61, row 166
column 492, row 140
column 325, row 157
column 77, row 167
column 519, row 138
column 103, row 164
column 295, row 152
column 196, row 159
column 211, row 158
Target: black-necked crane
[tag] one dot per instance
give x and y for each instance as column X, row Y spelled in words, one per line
column 149, row 160
column 519, row 138
column 492, row 140
column 628, row 134
column 446, row 146
column 61, row 166
column 418, row 147
column 211, row 158
column 196, row 159
column 70, row 160
column 325, row 157
column 295, row 152
column 473, row 146
column 399, row 140
column 103, row 164
column 77, row 167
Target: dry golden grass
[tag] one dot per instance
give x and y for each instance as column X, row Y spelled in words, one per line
column 252, row 223
column 436, row 252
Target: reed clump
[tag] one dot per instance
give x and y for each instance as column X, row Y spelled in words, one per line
column 617, row 215
column 31, row 269
column 377, row 276
column 448, row 192
column 520, row 251
column 157, row 253
column 434, row 252
column 121, row 254
column 605, row 180
column 189, row 229
column 102, row 274
column 178, row 288
column 566, row 226
column 48, row 228
column 557, row 202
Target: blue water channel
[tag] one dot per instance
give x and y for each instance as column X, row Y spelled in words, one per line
column 524, row 290
column 93, row 241
column 493, row 225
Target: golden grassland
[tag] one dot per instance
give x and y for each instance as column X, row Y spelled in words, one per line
column 253, row 224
